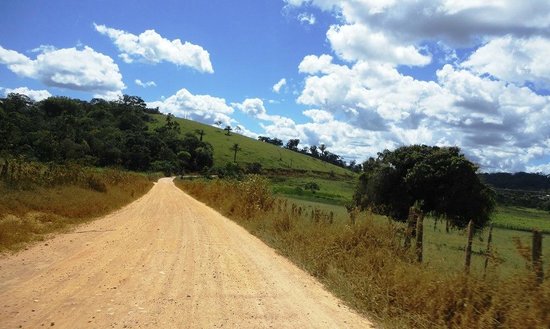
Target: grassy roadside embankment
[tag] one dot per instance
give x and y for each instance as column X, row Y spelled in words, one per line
column 365, row 265
column 37, row 200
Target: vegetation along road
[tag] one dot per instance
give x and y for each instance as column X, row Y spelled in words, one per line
column 164, row 261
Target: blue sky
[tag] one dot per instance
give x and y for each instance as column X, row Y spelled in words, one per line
column 356, row 75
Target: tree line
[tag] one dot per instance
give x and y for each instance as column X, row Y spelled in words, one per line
column 319, row 152
column 98, row 133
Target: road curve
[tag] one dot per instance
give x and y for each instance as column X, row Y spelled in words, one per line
column 164, row 261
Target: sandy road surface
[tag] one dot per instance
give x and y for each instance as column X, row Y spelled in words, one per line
column 165, row 261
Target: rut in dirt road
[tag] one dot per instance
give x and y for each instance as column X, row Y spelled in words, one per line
column 165, row 261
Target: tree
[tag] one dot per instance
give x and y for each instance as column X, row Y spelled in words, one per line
column 201, row 133
column 440, row 179
column 323, row 151
column 235, row 148
column 313, row 150
column 312, row 186
column 204, row 157
column 228, row 130
column 292, row 144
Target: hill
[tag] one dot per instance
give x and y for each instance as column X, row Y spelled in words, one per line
column 271, row 157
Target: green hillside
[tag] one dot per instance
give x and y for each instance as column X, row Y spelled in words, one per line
column 271, row 157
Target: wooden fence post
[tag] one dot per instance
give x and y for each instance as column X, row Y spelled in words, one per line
column 419, row 236
column 488, row 250
column 537, row 256
column 411, row 222
column 468, row 256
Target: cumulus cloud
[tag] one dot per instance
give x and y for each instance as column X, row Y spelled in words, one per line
column 203, row 108
column 454, row 21
column 35, row 95
column 514, row 60
column 501, row 126
column 277, row 87
column 358, row 42
column 252, row 106
column 145, row 84
column 396, row 31
column 69, row 68
column 151, row 47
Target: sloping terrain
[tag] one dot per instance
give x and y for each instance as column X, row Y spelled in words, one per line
column 268, row 155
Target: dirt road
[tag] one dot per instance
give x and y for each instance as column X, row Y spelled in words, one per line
column 165, row 261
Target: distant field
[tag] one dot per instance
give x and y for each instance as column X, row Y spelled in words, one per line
column 268, row 155
column 523, row 219
column 337, row 191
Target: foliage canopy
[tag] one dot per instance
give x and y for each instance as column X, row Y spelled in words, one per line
column 441, row 179
column 98, row 133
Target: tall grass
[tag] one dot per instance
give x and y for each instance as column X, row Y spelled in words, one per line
column 37, row 199
column 364, row 264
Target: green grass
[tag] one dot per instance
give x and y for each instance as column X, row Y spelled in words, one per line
column 523, row 219
column 271, row 157
column 337, row 191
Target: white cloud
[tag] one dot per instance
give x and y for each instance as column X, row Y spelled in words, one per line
column 313, row 64
column 499, row 125
column 69, row 68
column 204, row 108
column 252, row 106
column 35, row 95
column 454, row 21
column 359, row 42
column 152, row 47
column 319, row 116
column 145, row 84
column 514, row 60
column 307, row 18
column 277, row 87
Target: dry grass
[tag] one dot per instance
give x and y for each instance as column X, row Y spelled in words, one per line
column 365, row 265
column 46, row 199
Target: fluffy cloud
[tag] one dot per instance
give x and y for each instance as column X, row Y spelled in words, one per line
column 203, row 108
column 69, row 68
column 500, row 125
column 152, row 47
column 395, row 32
column 277, row 87
column 454, row 21
column 358, row 42
column 514, row 60
column 253, row 107
column 145, row 84
column 35, row 95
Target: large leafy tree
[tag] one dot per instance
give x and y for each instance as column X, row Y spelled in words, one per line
column 440, row 179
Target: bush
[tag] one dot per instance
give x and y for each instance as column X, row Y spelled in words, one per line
column 97, row 184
